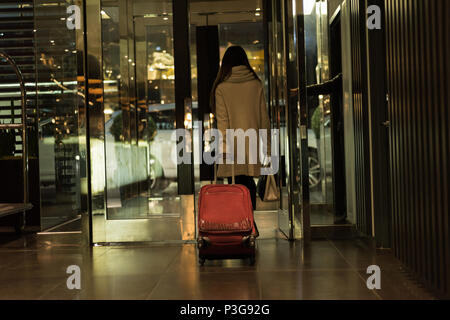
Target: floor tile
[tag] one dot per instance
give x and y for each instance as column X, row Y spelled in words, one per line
column 399, row 285
column 117, row 287
column 361, row 255
column 206, row 285
column 135, row 261
column 36, row 268
column 314, row 285
column 27, row 288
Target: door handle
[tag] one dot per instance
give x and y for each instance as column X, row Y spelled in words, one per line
column 387, row 124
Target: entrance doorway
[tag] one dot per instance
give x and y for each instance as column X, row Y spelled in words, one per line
column 146, row 80
column 216, row 25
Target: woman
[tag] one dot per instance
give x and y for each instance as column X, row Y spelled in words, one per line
column 238, row 102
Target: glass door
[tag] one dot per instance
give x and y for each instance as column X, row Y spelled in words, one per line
column 288, row 101
column 134, row 170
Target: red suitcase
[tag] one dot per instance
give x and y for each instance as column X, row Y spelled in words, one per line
column 225, row 223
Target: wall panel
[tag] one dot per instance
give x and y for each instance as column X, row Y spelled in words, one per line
column 417, row 52
column 361, row 117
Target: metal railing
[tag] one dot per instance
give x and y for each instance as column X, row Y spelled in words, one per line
column 22, row 126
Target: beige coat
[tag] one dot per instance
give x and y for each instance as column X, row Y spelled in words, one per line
column 240, row 104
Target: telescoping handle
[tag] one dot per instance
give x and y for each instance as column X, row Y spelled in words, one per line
column 233, row 178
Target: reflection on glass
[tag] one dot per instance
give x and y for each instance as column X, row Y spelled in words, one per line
column 319, row 113
column 62, row 155
column 139, row 106
column 279, row 103
column 248, row 35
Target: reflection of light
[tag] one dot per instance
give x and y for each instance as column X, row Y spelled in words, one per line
column 105, row 15
column 308, row 6
column 188, row 120
column 108, row 111
column 321, row 8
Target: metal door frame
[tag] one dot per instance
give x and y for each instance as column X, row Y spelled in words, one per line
column 97, row 228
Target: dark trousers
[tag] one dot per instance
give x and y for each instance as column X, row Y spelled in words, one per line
column 248, row 182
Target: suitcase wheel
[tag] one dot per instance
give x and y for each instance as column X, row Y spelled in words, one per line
column 252, row 242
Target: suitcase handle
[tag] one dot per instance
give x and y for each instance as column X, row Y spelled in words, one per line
column 233, row 178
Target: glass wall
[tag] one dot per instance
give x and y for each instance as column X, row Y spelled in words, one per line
column 62, row 147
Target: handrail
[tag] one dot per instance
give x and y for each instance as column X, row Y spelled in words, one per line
column 13, row 64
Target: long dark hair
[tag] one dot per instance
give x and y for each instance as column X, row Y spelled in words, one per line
column 233, row 57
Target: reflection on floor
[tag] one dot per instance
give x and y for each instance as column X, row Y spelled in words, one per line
column 321, row 215
column 35, row 267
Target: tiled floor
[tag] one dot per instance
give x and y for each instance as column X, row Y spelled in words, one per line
column 34, row 267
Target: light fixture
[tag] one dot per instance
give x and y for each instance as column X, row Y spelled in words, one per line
column 308, row 6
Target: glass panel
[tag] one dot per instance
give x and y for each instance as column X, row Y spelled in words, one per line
column 319, row 114
column 139, row 106
column 239, row 23
column 248, row 35
column 279, row 103
column 62, row 153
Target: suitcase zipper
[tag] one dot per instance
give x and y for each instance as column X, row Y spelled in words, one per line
column 221, row 192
